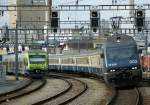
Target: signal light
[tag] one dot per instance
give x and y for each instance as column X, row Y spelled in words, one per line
column 54, row 14
column 139, row 13
column 95, row 30
column 54, row 19
column 139, row 20
column 139, row 29
column 94, row 19
column 94, row 14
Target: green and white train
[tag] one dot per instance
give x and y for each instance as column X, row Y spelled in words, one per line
column 31, row 63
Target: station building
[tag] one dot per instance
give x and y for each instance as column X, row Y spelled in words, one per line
column 27, row 19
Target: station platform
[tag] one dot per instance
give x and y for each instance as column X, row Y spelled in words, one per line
column 10, row 84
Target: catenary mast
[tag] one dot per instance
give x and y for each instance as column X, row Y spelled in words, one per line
column 131, row 13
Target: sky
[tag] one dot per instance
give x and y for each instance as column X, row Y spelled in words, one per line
column 82, row 15
column 3, row 19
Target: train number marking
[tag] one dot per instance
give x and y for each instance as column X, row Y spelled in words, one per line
column 133, row 61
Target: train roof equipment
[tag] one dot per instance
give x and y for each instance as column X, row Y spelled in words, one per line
column 119, row 40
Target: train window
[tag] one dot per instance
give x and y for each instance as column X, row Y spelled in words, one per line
column 25, row 62
column 120, row 52
column 34, row 59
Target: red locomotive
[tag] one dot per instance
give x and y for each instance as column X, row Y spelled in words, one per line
column 145, row 62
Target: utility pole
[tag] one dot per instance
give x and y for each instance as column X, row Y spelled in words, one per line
column 50, row 11
column 54, row 43
column 49, row 19
column 25, row 35
column 146, row 42
column 16, row 52
column 77, row 2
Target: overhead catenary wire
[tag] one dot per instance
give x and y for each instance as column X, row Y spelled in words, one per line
column 76, row 2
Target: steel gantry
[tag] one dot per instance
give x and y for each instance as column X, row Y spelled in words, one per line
column 71, row 30
column 72, row 7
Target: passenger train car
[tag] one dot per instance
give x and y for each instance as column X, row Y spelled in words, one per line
column 31, row 63
column 87, row 63
column 121, row 61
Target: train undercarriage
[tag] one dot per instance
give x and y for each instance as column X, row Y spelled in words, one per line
column 123, row 78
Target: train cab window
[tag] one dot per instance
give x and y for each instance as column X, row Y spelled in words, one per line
column 34, row 59
column 120, row 53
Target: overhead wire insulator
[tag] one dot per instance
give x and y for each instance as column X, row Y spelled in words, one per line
column 2, row 12
column 115, row 1
column 112, row 2
column 77, row 2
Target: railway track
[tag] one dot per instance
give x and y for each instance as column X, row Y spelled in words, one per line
column 103, row 91
column 126, row 97
column 144, row 89
column 145, row 93
column 66, row 89
column 75, row 89
column 18, row 88
column 33, row 86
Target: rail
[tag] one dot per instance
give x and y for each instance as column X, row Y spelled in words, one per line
column 132, row 96
column 34, row 86
column 63, row 96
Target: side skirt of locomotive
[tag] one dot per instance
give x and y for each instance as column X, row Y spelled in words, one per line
column 123, row 78
column 35, row 73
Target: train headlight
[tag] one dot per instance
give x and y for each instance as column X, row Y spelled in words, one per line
column 134, row 68
column 112, row 70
